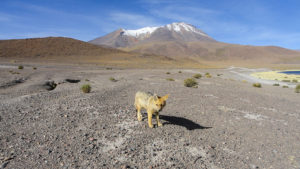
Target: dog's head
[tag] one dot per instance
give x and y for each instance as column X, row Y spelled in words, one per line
column 160, row 102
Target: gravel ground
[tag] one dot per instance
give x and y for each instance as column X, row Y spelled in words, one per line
column 224, row 123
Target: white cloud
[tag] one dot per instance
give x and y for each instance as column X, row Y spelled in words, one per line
column 132, row 20
column 159, row 2
column 29, row 35
column 183, row 12
column 41, row 9
column 275, row 37
column 4, row 17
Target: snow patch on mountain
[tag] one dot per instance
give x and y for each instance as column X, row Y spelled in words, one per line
column 138, row 32
column 177, row 27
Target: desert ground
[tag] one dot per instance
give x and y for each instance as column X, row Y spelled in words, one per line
column 224, row 123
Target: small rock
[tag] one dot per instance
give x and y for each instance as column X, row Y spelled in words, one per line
column 125, row 166
column 50, row 85
column 4, row 164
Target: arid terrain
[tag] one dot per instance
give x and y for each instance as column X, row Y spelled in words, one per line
column 224, row 123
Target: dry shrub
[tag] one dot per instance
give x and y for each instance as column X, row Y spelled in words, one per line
column 197, row 76
column 86, row 88
column 256, row 85
column 190, row 82
column 113, row 79
column 297, row 89
column 170, row 79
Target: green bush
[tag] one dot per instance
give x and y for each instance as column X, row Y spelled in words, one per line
column 295, row 81
column 286, row 80
column 276, row 84
column 20, row 67
column 86, row 88
column 285, row 87
column 208, row 75
column 197, row 76
column 170, row 79
column 113, row 79
column 190, row 82
column 168, row 73
column 297, row 89
column 256, row 85
column 179, row 71
column 12, row 72
column 34, row 68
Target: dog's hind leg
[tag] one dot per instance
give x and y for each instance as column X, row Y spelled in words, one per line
column 157, row 119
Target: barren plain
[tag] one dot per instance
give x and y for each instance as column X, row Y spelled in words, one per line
column 224, row 123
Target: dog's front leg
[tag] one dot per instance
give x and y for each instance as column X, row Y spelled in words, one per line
column 139, row 115
column 149, row 112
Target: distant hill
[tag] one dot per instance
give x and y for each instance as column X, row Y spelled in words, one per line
column 184, row 41
column 51, row 46
column 220, row 52
column 68, row 50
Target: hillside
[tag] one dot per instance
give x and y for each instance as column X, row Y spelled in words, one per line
column 216, row 52
column 51, row 46
column 67, row 50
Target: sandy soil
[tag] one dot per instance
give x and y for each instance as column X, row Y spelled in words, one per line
column 224, row 123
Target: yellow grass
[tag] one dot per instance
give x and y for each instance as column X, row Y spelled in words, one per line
column 275, row 75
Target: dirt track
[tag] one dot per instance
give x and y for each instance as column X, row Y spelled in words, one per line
column 224, row 123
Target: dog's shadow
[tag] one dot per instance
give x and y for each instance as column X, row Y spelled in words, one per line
column 180, row 121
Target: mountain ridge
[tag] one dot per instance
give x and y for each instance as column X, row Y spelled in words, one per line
column 184, row 41
column 170, row 32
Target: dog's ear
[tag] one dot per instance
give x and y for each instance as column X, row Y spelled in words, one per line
column 165, row 97
column 155, row 97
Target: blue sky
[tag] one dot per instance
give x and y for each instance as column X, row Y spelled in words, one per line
column 248, row 22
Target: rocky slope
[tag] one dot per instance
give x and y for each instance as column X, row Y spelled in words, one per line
column 180, row 32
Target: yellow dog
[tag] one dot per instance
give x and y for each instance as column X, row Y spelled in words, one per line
column 152, row 103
